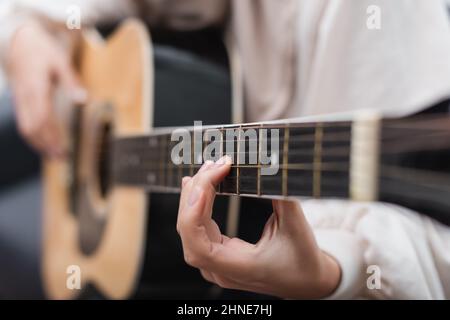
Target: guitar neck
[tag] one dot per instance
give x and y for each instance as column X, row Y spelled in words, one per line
column 403, row 161
column 312, row 159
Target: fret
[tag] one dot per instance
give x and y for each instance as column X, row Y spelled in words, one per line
column 221, row 143
column 258, row 182
column 169, row 163
column 229, row 184
column 191, row 165
column 285, row 161
column 185, row 169
column 204, row 144
column 237, row 160
column 180, row 175
column 272, row 184
column 317, row 161
column 248, row 169
column 175, row 169
column 175, row 181
column 219, row 186
column 169, row 166
column 198, row 154
column 162, row 160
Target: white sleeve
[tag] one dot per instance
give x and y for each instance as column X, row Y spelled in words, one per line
column 179, row 14
column 411, row 251
column 14, row 13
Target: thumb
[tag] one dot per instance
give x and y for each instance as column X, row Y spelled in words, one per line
column 70, row 83
column 289, row 215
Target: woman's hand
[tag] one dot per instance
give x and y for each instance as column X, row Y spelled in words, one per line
column 286, row 262
column 36, row 65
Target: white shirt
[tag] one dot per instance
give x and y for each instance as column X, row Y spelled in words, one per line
column 343, row 65
column 398, row 69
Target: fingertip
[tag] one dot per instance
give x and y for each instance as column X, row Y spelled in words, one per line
column 228, row 160
column 216, row 172
column 225, row 160
column 185, row 180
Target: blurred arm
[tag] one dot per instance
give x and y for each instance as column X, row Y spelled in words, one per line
column 53, row 14
column 179, row 14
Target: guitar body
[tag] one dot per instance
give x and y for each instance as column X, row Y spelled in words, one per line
column 126, row 90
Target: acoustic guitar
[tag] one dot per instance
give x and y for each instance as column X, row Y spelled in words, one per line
column 97, row 201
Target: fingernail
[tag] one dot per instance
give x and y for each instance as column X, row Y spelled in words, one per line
column 193, row 197
column 223, row 160
column 206, row 165
column 185, row 180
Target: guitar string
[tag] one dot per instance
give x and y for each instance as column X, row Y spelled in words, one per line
column 326, row 138
column 395, row 147
column 385, row 171
column 427, row 119
column 334, row 151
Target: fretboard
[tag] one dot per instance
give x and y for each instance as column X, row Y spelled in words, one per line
column 314, row 161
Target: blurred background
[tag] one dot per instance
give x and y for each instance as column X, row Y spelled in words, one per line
column 20, row 202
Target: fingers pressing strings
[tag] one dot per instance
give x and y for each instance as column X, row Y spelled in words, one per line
column 210, row 251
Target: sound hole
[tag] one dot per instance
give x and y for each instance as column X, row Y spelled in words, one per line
column 104, row 159
column 91, row 207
